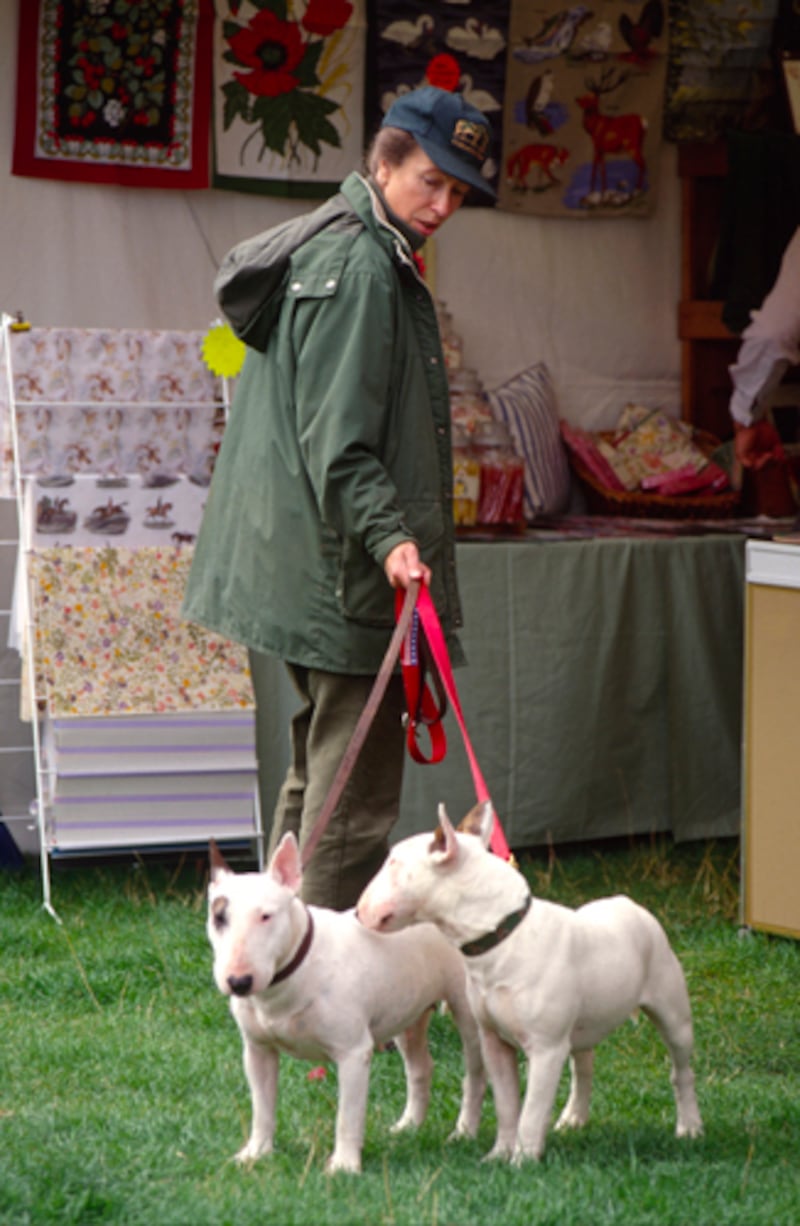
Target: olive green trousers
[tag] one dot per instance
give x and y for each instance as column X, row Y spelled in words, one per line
column 356, row 840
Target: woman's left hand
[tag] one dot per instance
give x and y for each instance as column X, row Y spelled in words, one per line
column 403, row 565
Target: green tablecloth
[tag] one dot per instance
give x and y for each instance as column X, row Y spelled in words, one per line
column 602, row 694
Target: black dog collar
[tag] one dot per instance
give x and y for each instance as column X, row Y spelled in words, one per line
column 302, row 950
column 506, row 926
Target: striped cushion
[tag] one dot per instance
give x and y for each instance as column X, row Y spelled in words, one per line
column 527, row 405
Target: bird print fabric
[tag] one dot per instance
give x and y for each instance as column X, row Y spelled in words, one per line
column 459, row 46
column 583, row 107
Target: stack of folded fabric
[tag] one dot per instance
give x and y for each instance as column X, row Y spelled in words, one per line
column 650, row 464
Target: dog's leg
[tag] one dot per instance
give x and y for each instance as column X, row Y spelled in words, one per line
column 670, row 1010
column 473, row 1085
column 353, row 1074
column 501, row 1064
column 576, row 1110
column 676, row 1032
column 261, row 1067
column 689, row 1122
column 413, row 1045
column 544, row 1071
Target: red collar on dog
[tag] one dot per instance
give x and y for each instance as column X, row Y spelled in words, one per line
column 302, row 950
column 482, row 945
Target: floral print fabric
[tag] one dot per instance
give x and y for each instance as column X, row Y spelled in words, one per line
column 109, row 638
column 114, row 92
column 648, row 443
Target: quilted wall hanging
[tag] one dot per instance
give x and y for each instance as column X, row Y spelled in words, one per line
column 583, row 108
column 458, row 46
column 721, row 72
column 114, row 92
column 288, row 94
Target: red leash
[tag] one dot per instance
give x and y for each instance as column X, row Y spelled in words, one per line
column 403, row 615
column 413, row 609
column 422, row 708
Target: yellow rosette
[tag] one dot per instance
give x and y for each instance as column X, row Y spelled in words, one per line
column 223, row 352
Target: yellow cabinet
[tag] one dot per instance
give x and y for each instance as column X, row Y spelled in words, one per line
column 771, row 776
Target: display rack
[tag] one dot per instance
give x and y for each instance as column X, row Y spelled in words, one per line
column 143, row 726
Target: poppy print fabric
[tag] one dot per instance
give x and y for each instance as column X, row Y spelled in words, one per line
column 288, row 94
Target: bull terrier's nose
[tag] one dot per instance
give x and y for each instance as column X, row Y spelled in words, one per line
column 240, row 985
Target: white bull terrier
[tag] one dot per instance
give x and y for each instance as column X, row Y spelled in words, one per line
column 316, row 984
column 543, row 978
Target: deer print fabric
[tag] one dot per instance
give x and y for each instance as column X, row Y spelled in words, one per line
column 583, row 108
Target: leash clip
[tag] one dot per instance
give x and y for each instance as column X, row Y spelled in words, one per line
column 422, row 709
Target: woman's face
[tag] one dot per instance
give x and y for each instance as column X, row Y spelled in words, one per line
column 421, row 194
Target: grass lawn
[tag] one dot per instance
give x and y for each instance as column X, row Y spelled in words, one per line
column 122, row 1094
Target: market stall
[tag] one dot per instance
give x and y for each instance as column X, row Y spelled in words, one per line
column 602, row 692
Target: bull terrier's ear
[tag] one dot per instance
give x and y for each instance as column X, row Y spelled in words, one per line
column 219, row 864
column 445, row 843
column 479, row 821
column 285, row 863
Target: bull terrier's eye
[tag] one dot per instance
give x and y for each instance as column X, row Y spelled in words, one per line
column 265, row 917
column 219, row 914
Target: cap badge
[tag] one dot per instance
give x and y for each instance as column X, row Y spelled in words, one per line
column 471, row 137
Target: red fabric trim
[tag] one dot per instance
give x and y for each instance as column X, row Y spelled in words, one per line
column 25, row 160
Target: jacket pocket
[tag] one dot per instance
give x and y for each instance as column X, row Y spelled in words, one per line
column 363, row 592
column 363, row 589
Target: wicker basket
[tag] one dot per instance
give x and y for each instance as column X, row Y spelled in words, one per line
column 636, row 503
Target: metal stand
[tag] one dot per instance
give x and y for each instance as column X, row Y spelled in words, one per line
column 40, row 806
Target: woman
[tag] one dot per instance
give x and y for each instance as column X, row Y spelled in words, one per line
column 333, row 485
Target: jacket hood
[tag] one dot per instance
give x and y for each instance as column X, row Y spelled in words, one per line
column 250, row 284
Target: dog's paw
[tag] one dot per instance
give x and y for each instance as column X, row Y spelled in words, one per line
column 339, row 1164
column 463, row 1132
column 500, row 1152
column 570, row 1119
column 690, row 1128
column 521, row 1155
column 250, row 1153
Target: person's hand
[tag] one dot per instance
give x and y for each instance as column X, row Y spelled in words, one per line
column 754, row 446
column 403, row 564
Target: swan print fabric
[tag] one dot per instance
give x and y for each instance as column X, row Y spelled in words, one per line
column 460, row 47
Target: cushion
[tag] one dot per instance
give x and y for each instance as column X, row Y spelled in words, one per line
column 582, row 446
column 527, row 405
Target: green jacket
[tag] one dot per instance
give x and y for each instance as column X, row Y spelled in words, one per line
column 337, row 446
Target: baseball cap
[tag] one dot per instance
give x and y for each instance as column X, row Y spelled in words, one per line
column 454, row 134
